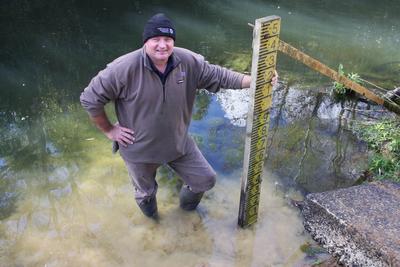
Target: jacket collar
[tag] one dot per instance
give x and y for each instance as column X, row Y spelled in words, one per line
column 175, row 60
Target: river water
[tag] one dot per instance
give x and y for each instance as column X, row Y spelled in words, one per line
column 65, row 200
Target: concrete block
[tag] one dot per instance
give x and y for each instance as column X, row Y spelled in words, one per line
column 360, row 225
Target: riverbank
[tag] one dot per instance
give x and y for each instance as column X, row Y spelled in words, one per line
column 383, row 139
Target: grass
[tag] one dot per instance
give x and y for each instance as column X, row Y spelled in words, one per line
column 383, row 138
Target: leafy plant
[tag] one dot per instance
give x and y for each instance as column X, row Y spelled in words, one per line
column 384, row 139
column 341, row 89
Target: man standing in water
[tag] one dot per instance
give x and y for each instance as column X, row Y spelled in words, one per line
column 154, row 89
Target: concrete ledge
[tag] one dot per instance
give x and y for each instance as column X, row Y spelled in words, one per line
column 360, row 225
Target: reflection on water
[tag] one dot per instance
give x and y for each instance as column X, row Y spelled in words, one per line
column 74, row 206
column 65, row 201
column 310, row 142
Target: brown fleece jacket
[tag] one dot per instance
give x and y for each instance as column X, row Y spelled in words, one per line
column 158, row 114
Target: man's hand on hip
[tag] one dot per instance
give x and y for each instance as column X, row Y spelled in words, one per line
column 116, row 132
column 122, row 135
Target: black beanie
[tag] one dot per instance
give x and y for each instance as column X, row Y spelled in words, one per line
column 158, row 25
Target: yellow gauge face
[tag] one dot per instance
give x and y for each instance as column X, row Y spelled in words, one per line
column 266, row 48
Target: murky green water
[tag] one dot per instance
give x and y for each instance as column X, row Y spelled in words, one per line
column 65, row 200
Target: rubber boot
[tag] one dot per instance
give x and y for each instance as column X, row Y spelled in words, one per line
column 149, row 207
column 188, row 199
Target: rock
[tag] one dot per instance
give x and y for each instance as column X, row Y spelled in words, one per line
column 360, row 224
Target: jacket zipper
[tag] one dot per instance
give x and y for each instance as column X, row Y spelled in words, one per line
column 163, row 84
column 163, row 87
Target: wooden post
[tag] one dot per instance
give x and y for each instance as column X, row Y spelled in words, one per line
column 265, row 47
column 325, row 70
